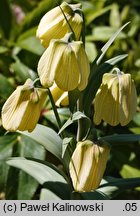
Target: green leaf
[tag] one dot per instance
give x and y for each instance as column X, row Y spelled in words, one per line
column 28, row 148
column 91, row 51
column 94, row 14
column 6, row 144
column 31, row 44
column 3, row 49
column 64, row 114
column 15, row 186
column 116, row 59
column 121, row 138
column 75, row 117
column 114, row 186
column 13, row 177
column 128, row 171
column 67, row 151
column 136, row 119
column 48, row 138
column 115, row 18
column 104, row 33
column 73, row 97
column 66, row 142
column 95, row 195
column 135, row 130
column 111, row 40
column 5, row 17
column 33, row 18
column 5, row 87
column 46, row 194
column 95, row 80
column 27, row 34
column 22, row 71
column 45, row 173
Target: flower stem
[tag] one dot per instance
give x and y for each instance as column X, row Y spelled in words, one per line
column 54, row 109
column 80, row 131
column 70, row 28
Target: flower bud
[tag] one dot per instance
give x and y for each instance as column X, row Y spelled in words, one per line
column 116, row 99
column 53, row 25
column 22, row 109
column 66, row 63
column 60, row 97
column 88, row 164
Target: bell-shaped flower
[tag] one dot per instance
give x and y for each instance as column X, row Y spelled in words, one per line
column 53, row 24
column 66, row 63
column 116, row 99
column 88, row 164
column 60, row 97
column 22, row 109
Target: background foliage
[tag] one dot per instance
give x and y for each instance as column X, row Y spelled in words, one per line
column 20, row 51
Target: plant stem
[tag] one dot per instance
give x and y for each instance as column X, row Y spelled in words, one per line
column 54, row 109
column 80, row 131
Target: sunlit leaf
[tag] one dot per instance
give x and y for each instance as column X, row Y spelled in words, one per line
column 75, row 117
column 47, row 138
column 31, row 44
column 111, row 40
column 113, row 186
column 45, row 173
column 22, row 71
column 46, row 194
column 94, row 14
column 128, row 171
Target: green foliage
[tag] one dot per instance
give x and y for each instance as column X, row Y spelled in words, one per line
column 43, row 155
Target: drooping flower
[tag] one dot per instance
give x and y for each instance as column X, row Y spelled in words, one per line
column 116, row 99
column 53, row 24
column 22, row 109
column 66, row 63
column 88, row 164
column 60, row 97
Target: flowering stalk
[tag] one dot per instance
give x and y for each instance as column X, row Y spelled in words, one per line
column 54, row 109
column 81, row 126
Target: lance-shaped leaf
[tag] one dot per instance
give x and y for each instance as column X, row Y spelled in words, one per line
column 114, row 186
column 46, row 174
column 48, row 138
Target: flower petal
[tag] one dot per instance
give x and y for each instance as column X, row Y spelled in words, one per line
column 67, row 73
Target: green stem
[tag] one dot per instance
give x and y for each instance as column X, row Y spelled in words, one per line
column 80, row 130
column 70, row 28
column 54, row 109
column 35, row 81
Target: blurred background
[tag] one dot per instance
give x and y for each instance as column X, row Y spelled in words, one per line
column 20, row 51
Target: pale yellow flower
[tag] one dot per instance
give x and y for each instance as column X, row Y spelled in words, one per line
column 60, row 97
column 53, row 25
column 22, row 109
column 66, row 63
column 87, row 165
column 116, row 99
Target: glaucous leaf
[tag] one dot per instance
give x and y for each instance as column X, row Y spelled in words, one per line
column 48, row 138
